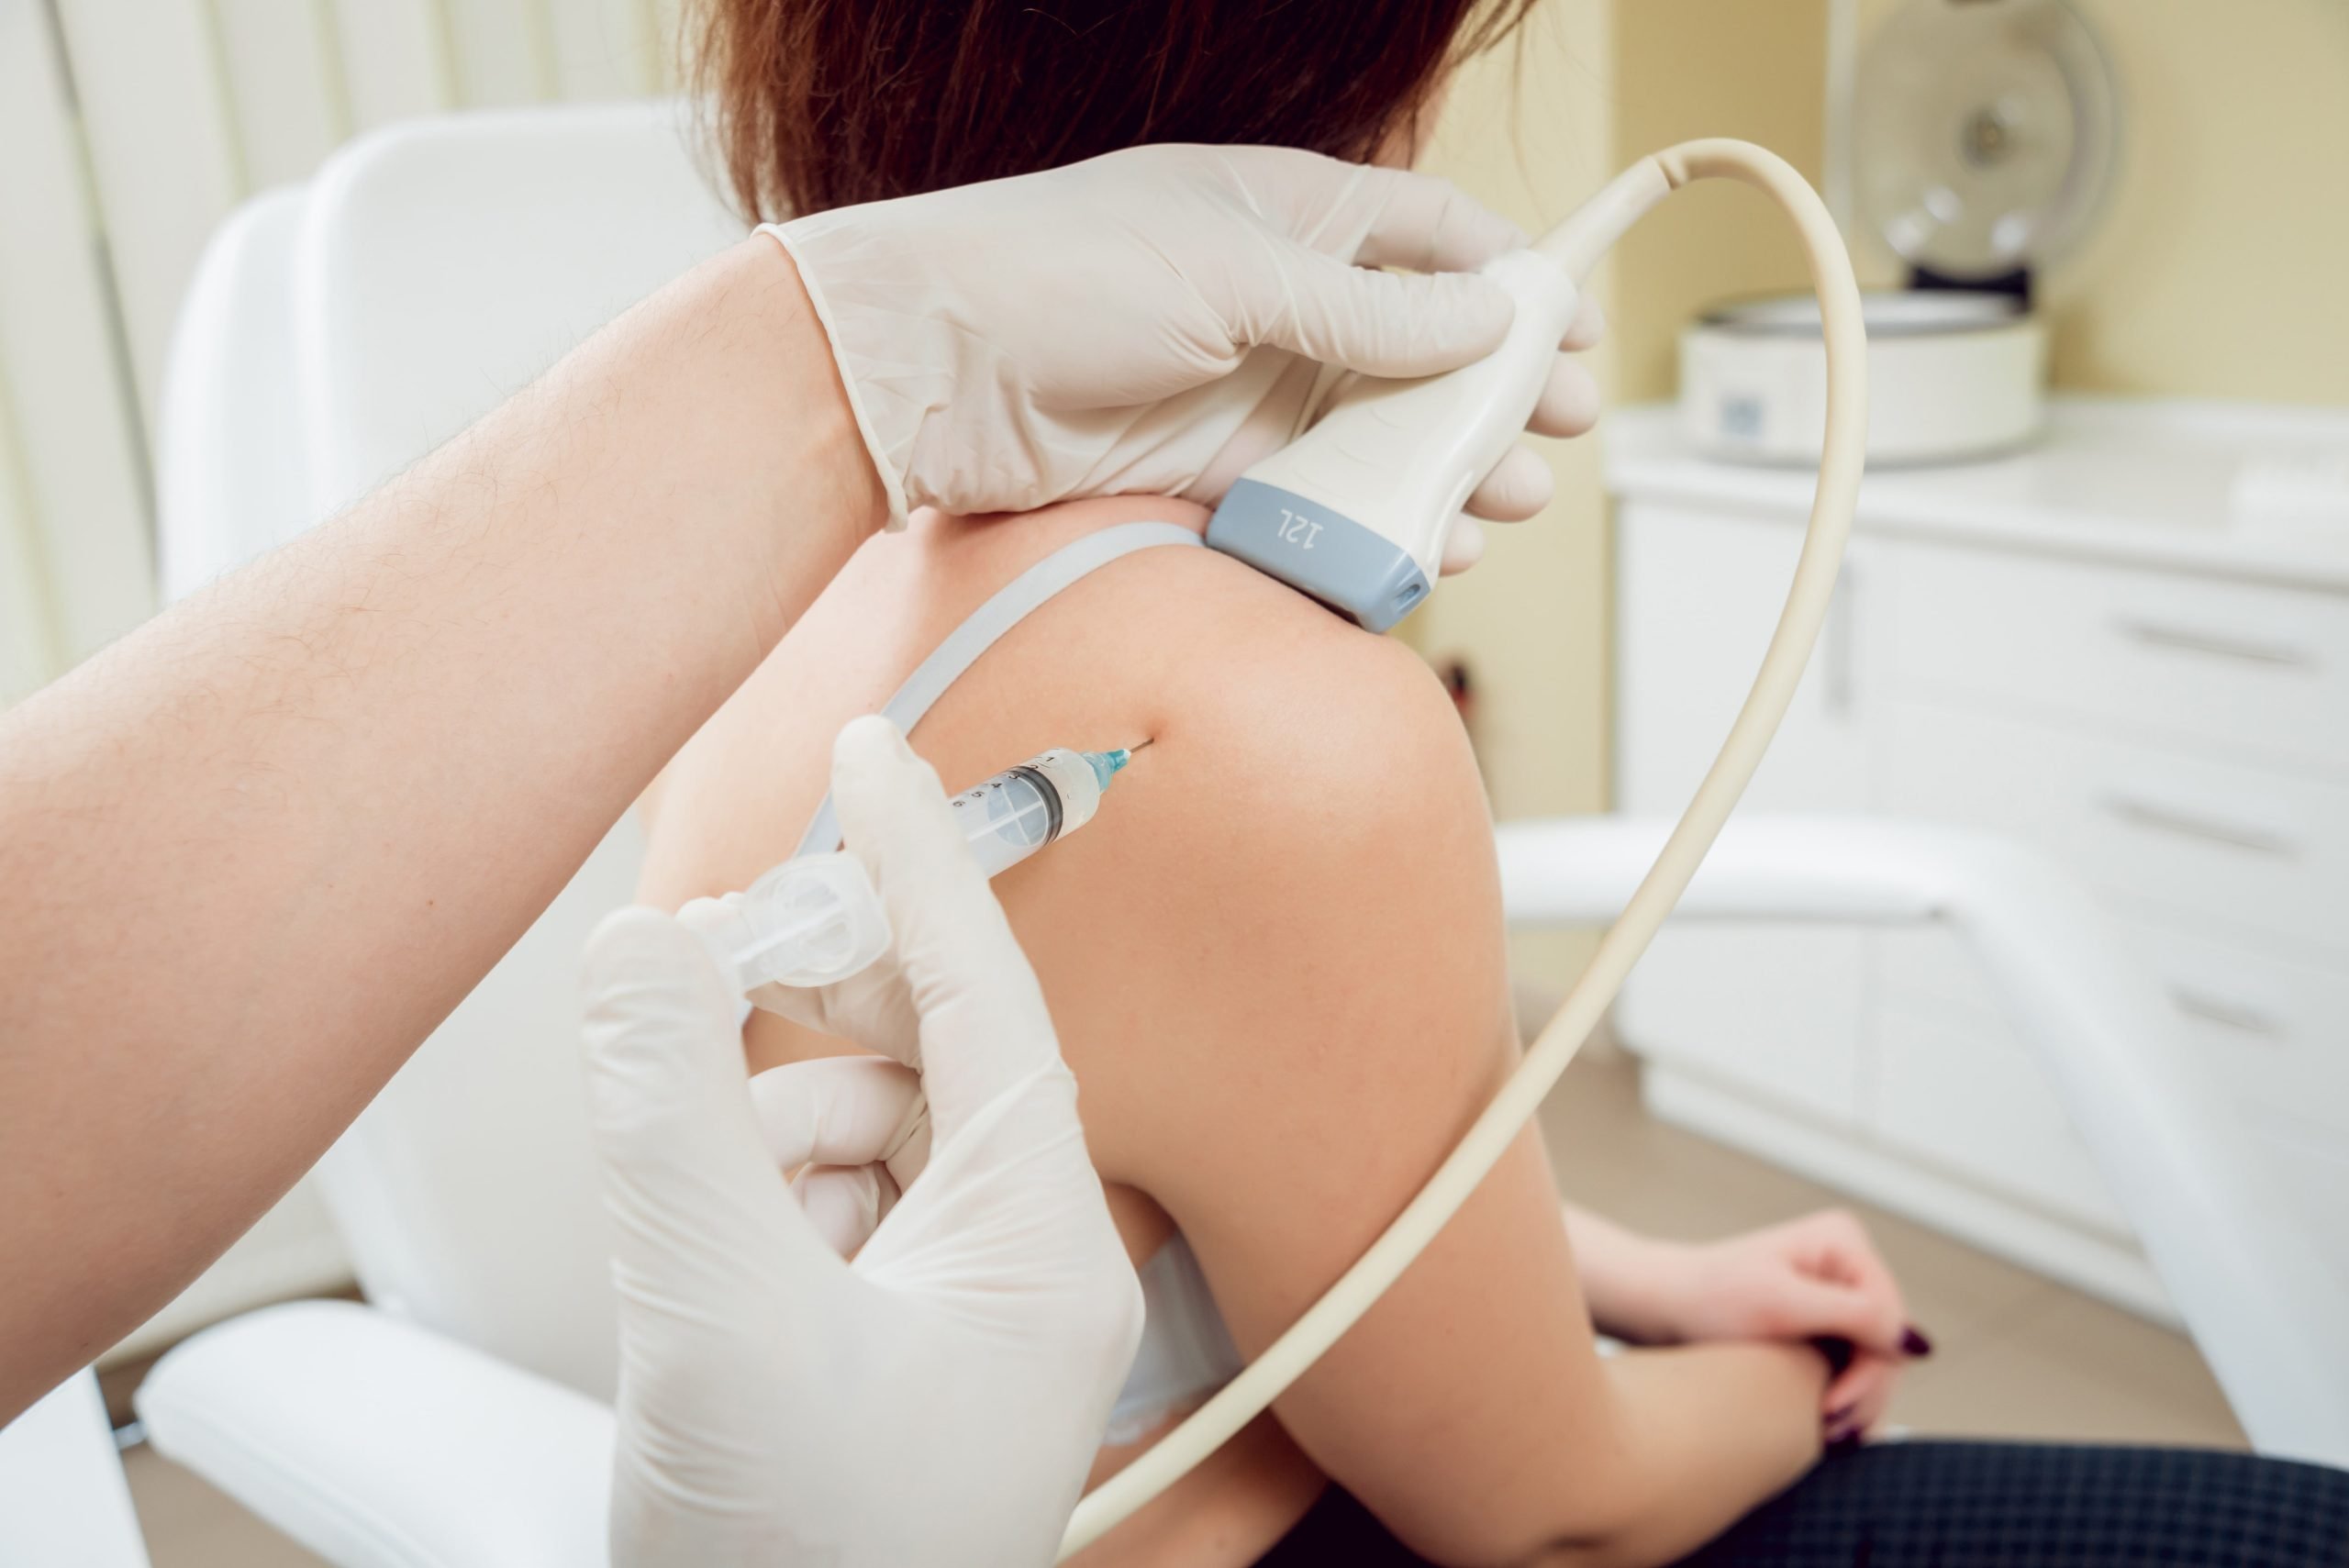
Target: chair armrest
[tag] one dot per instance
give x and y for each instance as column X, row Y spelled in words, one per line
column 379, row 1444
column 231, row 474
column 1580, row 870
column 62, row 1495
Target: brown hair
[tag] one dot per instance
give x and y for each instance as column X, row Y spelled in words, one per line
column 822, row 103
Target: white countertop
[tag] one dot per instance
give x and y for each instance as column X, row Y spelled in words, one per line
column 2149, row 482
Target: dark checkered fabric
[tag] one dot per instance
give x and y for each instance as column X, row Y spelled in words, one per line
column 1951, row 1505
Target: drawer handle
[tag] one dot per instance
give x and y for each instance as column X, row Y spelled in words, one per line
column 2220, row 1010
column 1842, row 643
column 2143, row 813
column 2226, row 645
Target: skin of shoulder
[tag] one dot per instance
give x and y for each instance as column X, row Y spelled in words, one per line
column 1275, row 961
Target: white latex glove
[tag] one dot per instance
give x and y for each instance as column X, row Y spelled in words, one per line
column 938, row 1400
column 1086, row 330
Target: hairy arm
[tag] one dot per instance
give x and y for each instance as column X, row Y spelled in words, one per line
column 1359, row 1019
column 253, row 854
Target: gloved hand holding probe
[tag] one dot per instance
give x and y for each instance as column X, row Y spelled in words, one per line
column 940, row 1398
column 1100, row 333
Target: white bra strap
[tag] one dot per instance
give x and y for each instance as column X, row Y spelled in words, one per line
column 986, row 626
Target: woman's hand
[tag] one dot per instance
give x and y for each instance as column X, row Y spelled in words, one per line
column 1819, row 1277
column 1150, row 321
column 938, row 1400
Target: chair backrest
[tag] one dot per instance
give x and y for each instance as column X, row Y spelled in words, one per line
column 432, row 270
column 230, row 480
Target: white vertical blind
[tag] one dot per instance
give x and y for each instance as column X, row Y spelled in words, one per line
column 397, row 60
column 609, row 48
column 503, row 50
column 28, row 638
column 287, row 100
column 128, row 129
column 74, row 545
column 163, row 153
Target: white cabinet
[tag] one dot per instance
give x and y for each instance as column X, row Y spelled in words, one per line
column 1708, row 589
column 2082, row 648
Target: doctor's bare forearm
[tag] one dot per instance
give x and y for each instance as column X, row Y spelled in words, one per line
column 253, row 853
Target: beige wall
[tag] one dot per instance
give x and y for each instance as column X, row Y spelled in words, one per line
column 1526, row 130
column 2217, row 268
column 1754, row 68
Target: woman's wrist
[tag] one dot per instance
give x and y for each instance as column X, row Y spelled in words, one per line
column 1655, row 1299
column 1633, row 1284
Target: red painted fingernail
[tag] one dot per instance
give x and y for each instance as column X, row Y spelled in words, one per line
column 1914, row 1343
column 1838, row 1416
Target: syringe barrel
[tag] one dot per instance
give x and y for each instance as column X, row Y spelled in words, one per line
column 1021, row 809
column 816, row 920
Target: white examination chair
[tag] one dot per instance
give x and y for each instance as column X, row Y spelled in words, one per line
column 458, row 1418
column 63, row 1500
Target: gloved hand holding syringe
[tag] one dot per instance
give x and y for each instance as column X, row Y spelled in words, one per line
column 776, row 1394
column 816, row 922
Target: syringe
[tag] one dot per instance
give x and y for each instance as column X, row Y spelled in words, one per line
column 816, row 920
column 1021, row 809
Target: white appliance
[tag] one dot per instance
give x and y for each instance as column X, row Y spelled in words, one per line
column 1950, row 375
column 1985, row 133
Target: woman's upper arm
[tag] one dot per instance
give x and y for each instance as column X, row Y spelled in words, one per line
column 1347, row 1016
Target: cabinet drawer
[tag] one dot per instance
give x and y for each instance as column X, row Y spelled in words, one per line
column 2309, row 1170
column 1930, row 968
column 1773, row 1010
column 1700, row 596
column 2261, row 851
column 2266, row 1031
column 2231, row 666
column 2272, row 1033
column 1965, row 1095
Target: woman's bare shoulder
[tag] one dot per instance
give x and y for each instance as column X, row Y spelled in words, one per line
column 1302, row 862
column 1295, row 760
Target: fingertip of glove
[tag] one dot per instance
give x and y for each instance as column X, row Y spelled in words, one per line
column 869, row 757
column 1486, row 307
column 1588, row 328
column 1462, row 318
column 658, row 1026
column 1479, row 235
column 1518, row 488
column 637, row 941
column 869, row 739
column 884, row 791
column 1463, row 547
column 1428, row 223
